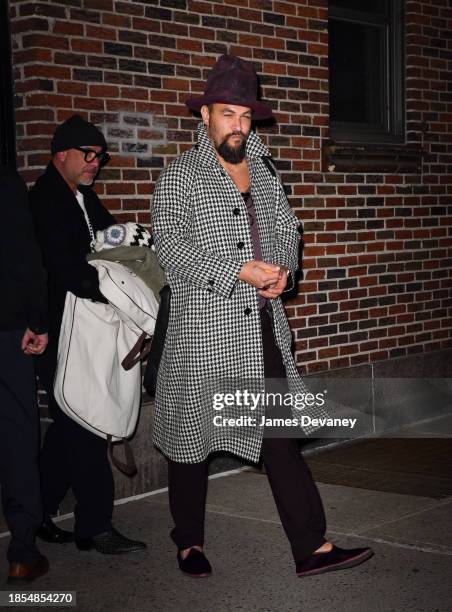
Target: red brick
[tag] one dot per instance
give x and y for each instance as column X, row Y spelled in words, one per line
column 145, row 188
column 273, row 43
column 163, row 96
column 32, row 55
column 189, row 45
column 119, row 21
column 86, row 45
column 178, row 84
column 178, row 29
column 101, row 33
column 52, row 100
column 297, row 22
column 71, row 87
column 173, row 57
column 46, row 41
column 119, row 105
column 195, row 6
column 38, row 159
column 47, row 70
column 120, row 188
column 251, row 40
column 89, row 103
column 35, row 129
column 104, row 91
column 179, row 110
column 146, row 25
column 250, row 15
column 34, row 114
column 134, row 93
column 68, row 28
column 38, row 144
column 64, row 114
column 244, row 52
column 101, row 5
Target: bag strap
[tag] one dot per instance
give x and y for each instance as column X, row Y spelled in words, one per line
column 268, row 161
column 158, row 342
column 137, row 353
column 129, row 467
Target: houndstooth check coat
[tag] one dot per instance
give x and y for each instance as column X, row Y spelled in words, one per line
column 202, row 238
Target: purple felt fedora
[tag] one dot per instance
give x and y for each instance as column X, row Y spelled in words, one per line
column 232, row 81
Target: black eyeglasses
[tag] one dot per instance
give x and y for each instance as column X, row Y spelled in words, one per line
column 90, row 155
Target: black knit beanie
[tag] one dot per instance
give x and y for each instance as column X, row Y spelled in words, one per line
column 76, row 132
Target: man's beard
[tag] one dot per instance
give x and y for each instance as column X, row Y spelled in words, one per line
column 232, row 155
column 87, row 180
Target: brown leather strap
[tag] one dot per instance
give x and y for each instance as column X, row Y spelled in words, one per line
column 137, row 353
column 158, row 342
column 129, row 467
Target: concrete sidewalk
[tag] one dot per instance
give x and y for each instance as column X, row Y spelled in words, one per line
column 253, row 567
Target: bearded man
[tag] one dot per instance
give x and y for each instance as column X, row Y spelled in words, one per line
column 228, row 240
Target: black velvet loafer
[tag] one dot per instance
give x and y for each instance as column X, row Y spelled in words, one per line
column 336, row 559
column 195, row 564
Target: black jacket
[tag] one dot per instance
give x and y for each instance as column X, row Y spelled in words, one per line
column 23, row 289
column 65, row 241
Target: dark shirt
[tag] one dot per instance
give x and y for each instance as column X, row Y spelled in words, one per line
column 255, row 238
column 23, row 281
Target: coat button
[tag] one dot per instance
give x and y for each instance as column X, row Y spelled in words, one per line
column 247, row 311
column 240, row 245
column 236, row 211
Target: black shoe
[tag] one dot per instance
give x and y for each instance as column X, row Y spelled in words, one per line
column 195, row 564
column 49, row 532
column 335, row 559
column 24, row 573
column 110, row 542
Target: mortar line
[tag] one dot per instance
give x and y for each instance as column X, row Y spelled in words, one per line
column 434, row 506
column 362, row 533
column 426, row 549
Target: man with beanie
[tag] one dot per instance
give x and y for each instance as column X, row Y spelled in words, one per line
column 228, row 240
column 67, row 214
column 23, row 332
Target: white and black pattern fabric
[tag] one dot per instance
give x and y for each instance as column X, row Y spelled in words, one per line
column 123, row 234
column 202, row 238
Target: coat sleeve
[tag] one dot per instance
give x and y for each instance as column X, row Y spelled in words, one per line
column 63, row 258
column 177, row 253
column 25, row 266
column 287, row 236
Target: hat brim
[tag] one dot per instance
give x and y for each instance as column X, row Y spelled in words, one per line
column 260, row 109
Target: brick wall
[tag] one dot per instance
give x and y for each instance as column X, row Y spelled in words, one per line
column 377, row 257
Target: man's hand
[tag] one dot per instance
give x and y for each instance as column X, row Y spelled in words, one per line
column 274, row 290
column 260, row 274
column 33, row 344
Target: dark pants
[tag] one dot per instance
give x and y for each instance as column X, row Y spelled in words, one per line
column 74, row 457
column 297, row 498
column 19, row 447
